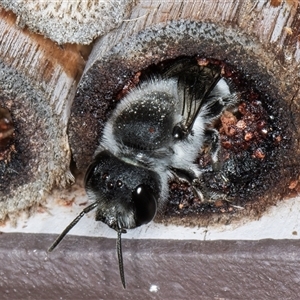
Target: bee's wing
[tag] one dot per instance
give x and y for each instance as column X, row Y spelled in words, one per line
column 195, row 83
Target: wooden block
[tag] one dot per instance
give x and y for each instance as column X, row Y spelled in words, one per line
column 37, row 84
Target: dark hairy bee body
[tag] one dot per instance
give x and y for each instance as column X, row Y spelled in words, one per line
column 154, row 135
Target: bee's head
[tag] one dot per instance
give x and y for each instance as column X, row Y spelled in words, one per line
column 126, row 194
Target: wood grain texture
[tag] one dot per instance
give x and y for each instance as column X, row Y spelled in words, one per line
column 261, row 19
column 37, row 84
column 74, row 21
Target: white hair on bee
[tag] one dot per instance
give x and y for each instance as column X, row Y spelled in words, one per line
column 186, row 151
column 137, row 94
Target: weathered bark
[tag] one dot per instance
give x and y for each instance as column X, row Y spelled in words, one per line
column 37, row 85
column 257, row 39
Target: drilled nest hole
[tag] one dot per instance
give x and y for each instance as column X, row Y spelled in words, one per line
column 256, row 140
column 15, row 149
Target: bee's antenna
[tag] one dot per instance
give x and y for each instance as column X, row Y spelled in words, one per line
column 71, row 225
column 120, row 257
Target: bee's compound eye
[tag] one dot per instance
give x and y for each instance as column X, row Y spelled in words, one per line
column 145, row 204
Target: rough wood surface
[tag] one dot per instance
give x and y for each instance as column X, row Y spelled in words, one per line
column 37, row 84
column 269, row 22
column 78, row 22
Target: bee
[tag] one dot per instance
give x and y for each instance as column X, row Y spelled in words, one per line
column 152, row 136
